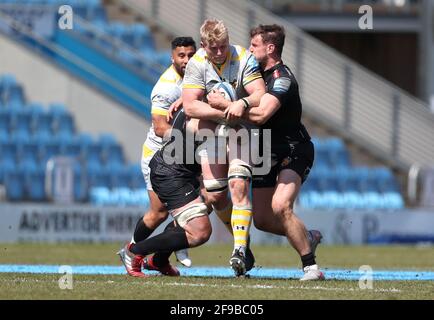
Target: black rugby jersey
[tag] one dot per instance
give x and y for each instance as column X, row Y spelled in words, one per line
column 285, row 124
column 175, row 148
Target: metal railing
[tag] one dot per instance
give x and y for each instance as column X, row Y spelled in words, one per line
column 354, row 101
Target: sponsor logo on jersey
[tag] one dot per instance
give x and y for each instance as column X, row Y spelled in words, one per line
column 281, row 84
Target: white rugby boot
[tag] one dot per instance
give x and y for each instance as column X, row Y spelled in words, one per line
column 312, row 273
column 183, row 258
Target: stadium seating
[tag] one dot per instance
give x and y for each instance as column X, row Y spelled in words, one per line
column 33, row 134
column 335, row 184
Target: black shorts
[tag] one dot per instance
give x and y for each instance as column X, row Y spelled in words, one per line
column 175, row 188
column 297, row 157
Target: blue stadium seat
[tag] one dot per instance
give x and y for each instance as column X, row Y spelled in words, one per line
column 333, row 144
column 106, row 139
column 42, row 122
column 62, row 121
column 164, row 58
column 84, row 140
column 321, row 158
column 372, row 200
column 93, row 154
column 4, row 137
column 328, row 181
column 339, row 158
column 71, row 147
column 392, row 200
column 22, row 121
column 5, row 167
column 143, row 196
column 386, row 181
column 116, row 30
column 35, row 183
column 142, row 37
column 114, row 155
column 8, row 152
column 80, row 183
column 57, row 109
column 15, row 186
column 310, row 184
column 119, row 177
column 48, row 149
column 100, row 196
column 136, row 176
column 352, row 200
column 347, row 180
column 129, row 57
column 12, row 95
column 30, row 152
column 97, row 177
column 4, row 121
column 120, row 197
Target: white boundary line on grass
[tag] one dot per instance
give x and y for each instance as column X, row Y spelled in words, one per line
column 180, row 284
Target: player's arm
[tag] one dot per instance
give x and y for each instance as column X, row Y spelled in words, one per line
column 160, row 124
column 193, row 92
column 173, row 108
column 268, row 106
column 217, row 101
column 159, row 111
column 255, row 90
column 194, row 107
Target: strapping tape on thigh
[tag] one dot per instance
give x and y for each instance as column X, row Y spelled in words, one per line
column 216, row 185
column 193, row 211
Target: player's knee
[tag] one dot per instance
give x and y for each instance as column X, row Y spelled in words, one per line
column 194, row 219
column 281, row 207
column 201, row 234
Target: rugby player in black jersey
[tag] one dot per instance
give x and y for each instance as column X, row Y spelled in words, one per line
column 292, row 151
column 176, row 183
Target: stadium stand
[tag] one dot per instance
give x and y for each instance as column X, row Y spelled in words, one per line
column 32, row 135
column 113, row 50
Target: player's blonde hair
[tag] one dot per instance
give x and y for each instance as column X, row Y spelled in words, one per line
column 213, row 30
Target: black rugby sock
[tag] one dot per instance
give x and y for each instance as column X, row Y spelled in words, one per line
column 141, row 232
column 308, row 259
column 161, row 258
column 170, row 240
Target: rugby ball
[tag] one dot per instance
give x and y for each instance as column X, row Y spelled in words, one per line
column 226, row 90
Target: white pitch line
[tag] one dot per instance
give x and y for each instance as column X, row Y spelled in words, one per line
column 185, row 284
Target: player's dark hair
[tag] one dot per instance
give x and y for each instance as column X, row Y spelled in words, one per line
column 183, row 42
column 271, row 33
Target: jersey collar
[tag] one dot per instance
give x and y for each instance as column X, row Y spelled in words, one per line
column 272, row 69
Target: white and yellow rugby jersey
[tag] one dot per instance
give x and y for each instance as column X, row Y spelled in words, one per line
column 239, row 69
column 166, row 91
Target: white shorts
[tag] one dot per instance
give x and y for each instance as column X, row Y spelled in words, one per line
column 147, row 155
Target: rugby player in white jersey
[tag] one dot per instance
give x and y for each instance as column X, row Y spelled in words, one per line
column 166, row 92
column 215, row 62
